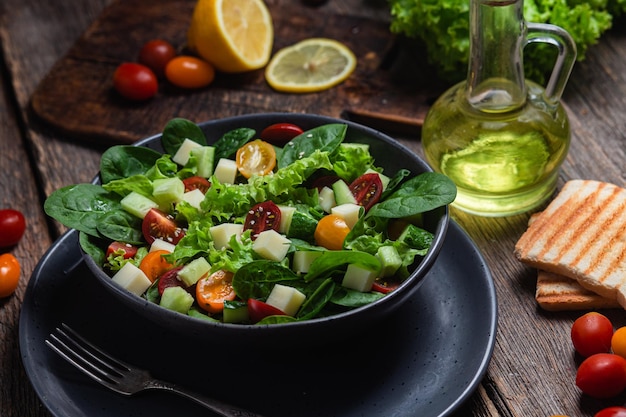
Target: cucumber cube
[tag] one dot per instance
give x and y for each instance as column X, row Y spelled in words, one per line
column 235, row 312
column 389, row 259
column 167, row 191
column 286, row 214
column 271, row 245
column 132, row 278
column 343, row 194
column 358, row 278
column 137, row 204
column 181, row 157
column 285, row 298
column 327, row 199
column 176, row 299
column 193, row 271
column 206, row 158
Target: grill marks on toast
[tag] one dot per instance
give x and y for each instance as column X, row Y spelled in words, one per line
column 582, row 235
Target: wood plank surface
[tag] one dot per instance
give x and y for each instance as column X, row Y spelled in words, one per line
column 77, row 97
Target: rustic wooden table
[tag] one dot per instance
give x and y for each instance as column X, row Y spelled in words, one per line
column 532, row 369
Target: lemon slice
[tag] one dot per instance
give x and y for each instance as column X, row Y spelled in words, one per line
column 233, row 35
column 311, row 65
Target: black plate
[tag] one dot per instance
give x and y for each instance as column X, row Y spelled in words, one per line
column 426, row 362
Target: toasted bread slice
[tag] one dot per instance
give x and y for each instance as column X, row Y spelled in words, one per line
column 558, row 293
column 582, row 235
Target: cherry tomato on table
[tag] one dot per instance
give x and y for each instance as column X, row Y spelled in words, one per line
column 189, row 72
column 256, row 158
column 12, row 227
column 212, row 290
column 135, row 81
column 280, row 133
column 367, row 189
column 618, row 342
column 159, row 225
column 331, row 231
column 155, row 54
column 591, row 333
column 261, row 217
column 602, row 375
column 611, row 412
column 9, row 274
column 258, row 310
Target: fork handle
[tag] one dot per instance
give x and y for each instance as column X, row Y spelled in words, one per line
column 223, row 409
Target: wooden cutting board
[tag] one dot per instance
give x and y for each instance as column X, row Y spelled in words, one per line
column 391, row 88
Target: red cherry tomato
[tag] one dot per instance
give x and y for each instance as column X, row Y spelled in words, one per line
column 125, row 249
column 258, row 310
column 169, row 279
column 158, row 225
column 197, row 183
column 611, row 412
column 591, row 333
column 9, row 274
column 385, row 287
column 135, row 81
column 602, row 375
column 12, row 227
column 261, row 217
column 155, row 55
column 367, row 189
column 189, row 72
column 280, row 133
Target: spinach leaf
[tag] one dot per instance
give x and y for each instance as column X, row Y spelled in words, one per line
column 351, row 298
column 124, row 161
column 317, row 300
column 81, row 206
column 331, row 261
column 422, row 193
column 177, row 130
column 324, row 138
column 395, row 182
column 93, row 247
column 228, row 144
column 121, row 226
column 256, row 279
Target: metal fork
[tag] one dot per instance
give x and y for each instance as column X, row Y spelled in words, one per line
column 122, row 377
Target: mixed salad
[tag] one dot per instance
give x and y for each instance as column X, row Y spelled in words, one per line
column 259, row 227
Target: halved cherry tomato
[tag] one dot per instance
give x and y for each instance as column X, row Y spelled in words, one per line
column 189, row 72
column 169, row 279
column 385, row 287
column 212, row 290
column 154, row 264
column 12, row 227
column 155, row 54
column 9, row 274
column 602, row 375
column 158, row 225
column 611, row 412
column 367, row 189
column 120, row 248
column 261, row 217
column 135, row 81
column 256, row 158
column 258, row 310
column 280, row 133
column 197, row 183
column 591, row 333
column 331, row 231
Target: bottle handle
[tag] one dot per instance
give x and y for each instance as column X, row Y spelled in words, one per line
column 559, row 37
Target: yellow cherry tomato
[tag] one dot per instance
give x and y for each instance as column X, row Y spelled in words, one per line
column 331, row 231
column 9, row 274
column 618, row 342
column 256, row 158
column 189, row 72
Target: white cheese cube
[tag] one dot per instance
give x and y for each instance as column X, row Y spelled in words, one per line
column 349, row 212
column 160, row 244
column 226, row 171
column 222, row 233
column 132, row 278
column 303, row 259
column 358, row 278
column 327, row 199
column 285, row 298
column 194, row 198
column 286, row 214
column 193, row 271
column 271, row 245
column 181, row 157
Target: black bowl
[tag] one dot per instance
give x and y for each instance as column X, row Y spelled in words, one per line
column 388, row 154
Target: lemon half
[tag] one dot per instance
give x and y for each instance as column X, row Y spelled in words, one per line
column 311, row 65
column 233, row 35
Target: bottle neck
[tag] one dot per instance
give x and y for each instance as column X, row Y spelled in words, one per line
column 496, row 74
